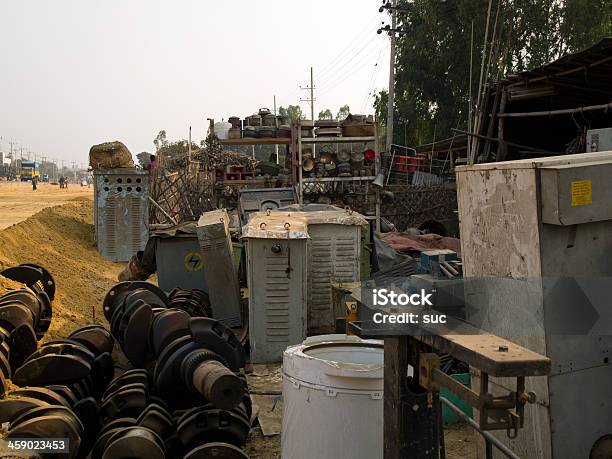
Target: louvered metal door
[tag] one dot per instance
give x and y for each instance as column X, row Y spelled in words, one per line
column 334, row 256
column 277, row 296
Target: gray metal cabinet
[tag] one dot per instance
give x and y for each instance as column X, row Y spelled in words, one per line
column 220, row 272
column 536, row 238
column 121, row 212
column 277, row 265
column 277, row 292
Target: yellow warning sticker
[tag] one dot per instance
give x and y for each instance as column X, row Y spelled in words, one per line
column 193, row 261
column 582, row 193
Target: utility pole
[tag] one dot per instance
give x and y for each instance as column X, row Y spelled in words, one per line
column 276, row 124
column 189, row 147
column 391, row 98
column 311, row 88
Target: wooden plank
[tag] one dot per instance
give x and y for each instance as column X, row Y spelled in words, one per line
column 395, row 374
column 338, row 179
column 254, row 141
column 338, row 139
column 483, row 352
column 486, row 352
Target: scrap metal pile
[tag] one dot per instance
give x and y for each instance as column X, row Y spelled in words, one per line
column 184, row 397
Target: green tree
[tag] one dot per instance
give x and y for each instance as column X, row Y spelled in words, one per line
column 160, row 141
column 433, row 54
column 326, row 114
column 343, row 112
column 292, row 113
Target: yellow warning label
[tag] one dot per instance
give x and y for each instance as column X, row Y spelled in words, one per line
column 582, row 193
column 193, row 261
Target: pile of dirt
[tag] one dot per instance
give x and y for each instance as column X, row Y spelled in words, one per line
column 61, row 239
column 7, row 284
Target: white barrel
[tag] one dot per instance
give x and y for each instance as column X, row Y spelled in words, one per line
column 222, row 130
column 333, row 398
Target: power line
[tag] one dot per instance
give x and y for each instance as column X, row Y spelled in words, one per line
column 325, row 69
column 350, row 71
column 368, row 46
column 372, row 82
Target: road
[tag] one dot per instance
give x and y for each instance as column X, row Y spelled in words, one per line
column 18, row 201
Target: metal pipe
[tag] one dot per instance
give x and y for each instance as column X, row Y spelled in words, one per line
column 487, row 436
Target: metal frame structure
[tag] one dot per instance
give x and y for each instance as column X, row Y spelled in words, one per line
column 295, row 145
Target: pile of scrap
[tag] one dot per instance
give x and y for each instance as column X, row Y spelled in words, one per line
column 110, row 155
column 183, row 393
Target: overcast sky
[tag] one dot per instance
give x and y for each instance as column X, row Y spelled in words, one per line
column 74, row 73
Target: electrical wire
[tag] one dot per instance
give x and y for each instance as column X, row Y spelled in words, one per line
column 368, row 47
column 350, row 71
column 347, row 50
column 372, row 81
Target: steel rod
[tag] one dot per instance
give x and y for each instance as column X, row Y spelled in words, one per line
column 487, row 436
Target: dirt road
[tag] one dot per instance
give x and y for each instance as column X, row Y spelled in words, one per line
column 18, row 201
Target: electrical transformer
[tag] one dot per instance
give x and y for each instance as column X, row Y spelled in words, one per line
column 334, row 256
column 121, row 212
column 599, row 140
column 219, row 269
column 276, row 247
column 536, row 248
column 179, row 259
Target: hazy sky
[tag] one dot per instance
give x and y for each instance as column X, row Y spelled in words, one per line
column 78, row 72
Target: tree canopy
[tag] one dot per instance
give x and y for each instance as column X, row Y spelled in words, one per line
column 432, row 83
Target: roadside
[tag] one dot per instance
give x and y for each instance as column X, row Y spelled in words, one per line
column 18, row 201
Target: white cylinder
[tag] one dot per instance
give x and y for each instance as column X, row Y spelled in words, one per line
column 333, row 398
column 222, row 130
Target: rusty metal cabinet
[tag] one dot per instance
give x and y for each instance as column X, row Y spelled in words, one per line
column 121, row 212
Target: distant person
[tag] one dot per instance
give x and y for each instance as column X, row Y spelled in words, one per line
column 34, row 183
column 152, row 163
column 61, row 182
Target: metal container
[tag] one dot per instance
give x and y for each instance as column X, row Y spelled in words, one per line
column 235, row 122
column 179, row 261
column 121, row 212
column 234, row 133
column 253, row 120
column 344, row 156
column 222, row 280
column 308, row 164
column 344, row 170
column 276, row 277
column 268, row 120
column 357, row 159
column 262, row 199
column 546, row 287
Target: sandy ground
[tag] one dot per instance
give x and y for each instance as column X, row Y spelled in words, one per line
column 18, row 201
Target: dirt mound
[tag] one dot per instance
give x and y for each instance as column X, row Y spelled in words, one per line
column 7, row 284
column 61, row 239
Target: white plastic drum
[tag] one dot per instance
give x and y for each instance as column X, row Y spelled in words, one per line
column 333, row 398
column 222, row 130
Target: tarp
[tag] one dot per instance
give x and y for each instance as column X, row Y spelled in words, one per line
column 405, row 242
